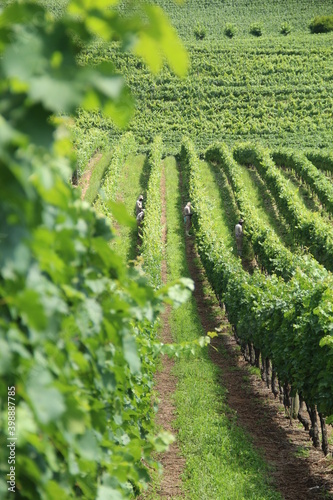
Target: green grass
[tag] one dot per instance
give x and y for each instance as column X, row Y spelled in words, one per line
column 302, row 452
column 220, row 460
column 253, row 370
column 132, row 182
column 96, row 177
column 226, row 212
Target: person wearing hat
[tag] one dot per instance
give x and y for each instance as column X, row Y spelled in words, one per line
column 239, row 236
column 138, row 205
column 187, row 218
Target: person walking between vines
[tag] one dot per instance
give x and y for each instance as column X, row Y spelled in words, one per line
column 138, row 205
column 239, row 236
column 139, row 219
column 187, row 218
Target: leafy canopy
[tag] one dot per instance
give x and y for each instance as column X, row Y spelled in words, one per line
column 76, row 326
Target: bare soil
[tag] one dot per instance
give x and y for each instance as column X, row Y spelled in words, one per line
column 165, row 383
column 172, row 461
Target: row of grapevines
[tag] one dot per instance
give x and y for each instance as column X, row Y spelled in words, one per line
column 273, row 255
column 87, row 141
column 311, row 230
column 152, row 246
column 307, row 171
column 72, row 320
column 233, row 93
column 109, row 184
column 289, row 322
column 323, row 161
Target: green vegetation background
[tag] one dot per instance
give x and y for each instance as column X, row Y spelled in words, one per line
column 273, row 89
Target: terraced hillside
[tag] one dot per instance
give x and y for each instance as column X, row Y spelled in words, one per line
column 274, row 89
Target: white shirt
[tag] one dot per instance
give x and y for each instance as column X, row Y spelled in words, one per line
column 238, row 230
column 140, row 216
column 138, row 207
column 187, row 210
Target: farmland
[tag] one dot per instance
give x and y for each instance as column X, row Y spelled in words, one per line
column 271, row 93
column 128, row 346
column 274, row 89
column 253, row 107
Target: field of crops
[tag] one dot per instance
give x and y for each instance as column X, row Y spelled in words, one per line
column 91, row 301
column 274, row 89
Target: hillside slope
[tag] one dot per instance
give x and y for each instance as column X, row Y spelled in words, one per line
column 273, row 89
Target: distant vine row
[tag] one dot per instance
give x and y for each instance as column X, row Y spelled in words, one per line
column 305, row 169
column 322, row 160
column 309, row 227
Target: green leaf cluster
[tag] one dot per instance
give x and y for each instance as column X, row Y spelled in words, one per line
column 321, row 24
column 76, row 325
column 256, row 29
column 230, row 30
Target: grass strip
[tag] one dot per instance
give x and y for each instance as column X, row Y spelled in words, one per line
column 97, row 176
column 109, row 183
column 152, row 246
column 263, row 204
column 129, row 188
column 220, row 460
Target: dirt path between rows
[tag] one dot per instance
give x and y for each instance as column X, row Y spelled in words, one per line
column 165, row 384
column 297, row 478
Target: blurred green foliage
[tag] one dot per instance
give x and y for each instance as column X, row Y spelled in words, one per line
column 77, row 327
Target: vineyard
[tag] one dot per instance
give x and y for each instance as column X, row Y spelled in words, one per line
column 276, row 90
column 138, row 361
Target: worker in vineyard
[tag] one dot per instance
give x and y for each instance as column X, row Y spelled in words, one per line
column 138, row 205
column 140, row 217
column 239, row 236
column 187, row 218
